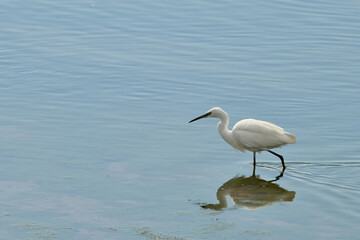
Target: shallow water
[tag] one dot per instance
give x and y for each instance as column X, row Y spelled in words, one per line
column 94, row 109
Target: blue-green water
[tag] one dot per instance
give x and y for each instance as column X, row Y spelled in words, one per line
column 95, row 99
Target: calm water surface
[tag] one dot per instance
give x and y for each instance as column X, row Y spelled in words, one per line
column 95, row 99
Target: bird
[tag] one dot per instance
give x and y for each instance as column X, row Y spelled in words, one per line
column 250, row 134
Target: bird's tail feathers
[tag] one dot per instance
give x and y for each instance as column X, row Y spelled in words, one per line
column 291, row 138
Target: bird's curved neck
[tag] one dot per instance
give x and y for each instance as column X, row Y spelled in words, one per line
column 223, row 128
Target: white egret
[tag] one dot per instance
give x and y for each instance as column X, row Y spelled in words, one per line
column 250, row 134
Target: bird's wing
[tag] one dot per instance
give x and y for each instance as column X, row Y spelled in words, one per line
column 258, row 135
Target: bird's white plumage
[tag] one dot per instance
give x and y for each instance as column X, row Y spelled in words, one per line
column 250, row 134
column 255, row 135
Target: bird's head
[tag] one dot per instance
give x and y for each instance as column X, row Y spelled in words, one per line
column 215, row 112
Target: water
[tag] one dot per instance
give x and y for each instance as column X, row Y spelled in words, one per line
column 95, row 100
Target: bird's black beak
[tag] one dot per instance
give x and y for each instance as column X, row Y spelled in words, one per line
column 202, row 116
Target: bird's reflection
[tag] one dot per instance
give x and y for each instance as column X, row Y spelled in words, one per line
column 251, row 193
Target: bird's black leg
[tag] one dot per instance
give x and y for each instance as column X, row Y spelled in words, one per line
column 254, row 159
column 279, row 156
